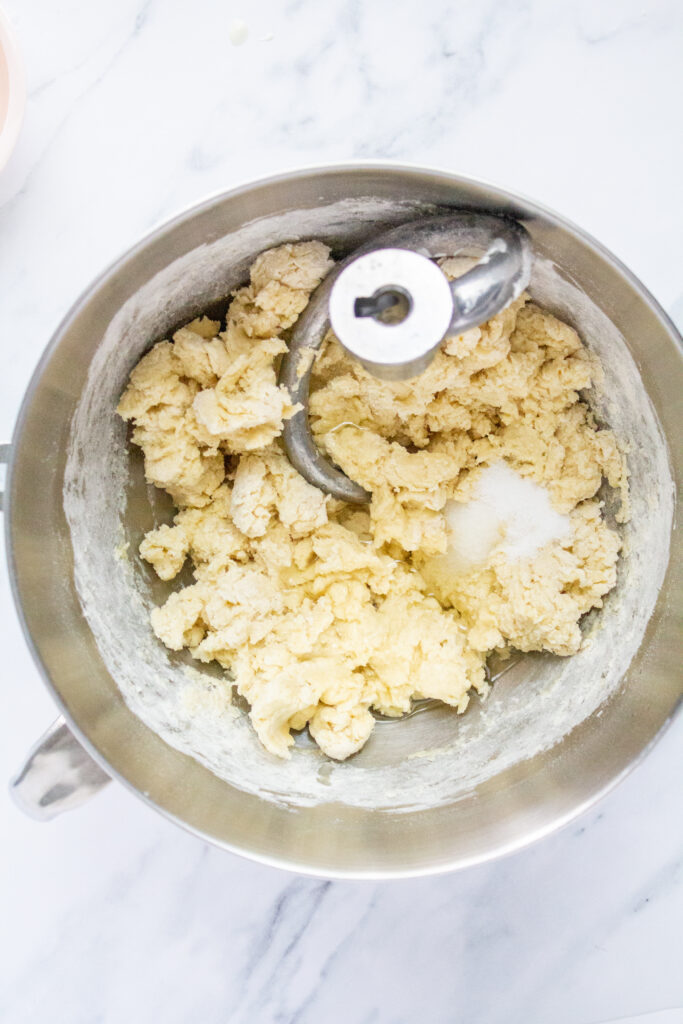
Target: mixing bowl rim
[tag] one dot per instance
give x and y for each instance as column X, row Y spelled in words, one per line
column 185, row 214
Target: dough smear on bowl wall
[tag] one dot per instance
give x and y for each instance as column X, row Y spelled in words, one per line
column 322, row 612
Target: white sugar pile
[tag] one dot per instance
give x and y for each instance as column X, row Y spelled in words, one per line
column 507, row 512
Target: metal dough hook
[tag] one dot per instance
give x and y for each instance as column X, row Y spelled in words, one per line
column 391, row 307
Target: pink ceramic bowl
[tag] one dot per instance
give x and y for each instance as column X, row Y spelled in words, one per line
column 12, row 90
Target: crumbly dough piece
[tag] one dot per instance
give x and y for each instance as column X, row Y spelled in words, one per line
column 159, row 401
column 319, row 630
column 267, row 484
column 200, row 397
column 321, row 612
column 534, row 604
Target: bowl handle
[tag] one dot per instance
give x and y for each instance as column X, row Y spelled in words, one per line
column 57, row 775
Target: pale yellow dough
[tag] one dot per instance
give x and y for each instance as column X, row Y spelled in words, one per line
column 321, row 612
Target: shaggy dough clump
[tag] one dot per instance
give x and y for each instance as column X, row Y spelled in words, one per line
column 321, row 612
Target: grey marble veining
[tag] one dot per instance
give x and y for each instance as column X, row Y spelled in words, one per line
column 163, row 921
column 136, row 109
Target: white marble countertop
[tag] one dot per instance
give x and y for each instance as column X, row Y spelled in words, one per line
column 136, row 108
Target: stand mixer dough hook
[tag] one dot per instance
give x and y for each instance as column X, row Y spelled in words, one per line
column 391, row 307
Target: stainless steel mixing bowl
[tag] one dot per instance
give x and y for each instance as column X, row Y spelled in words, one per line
column 525, row 797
